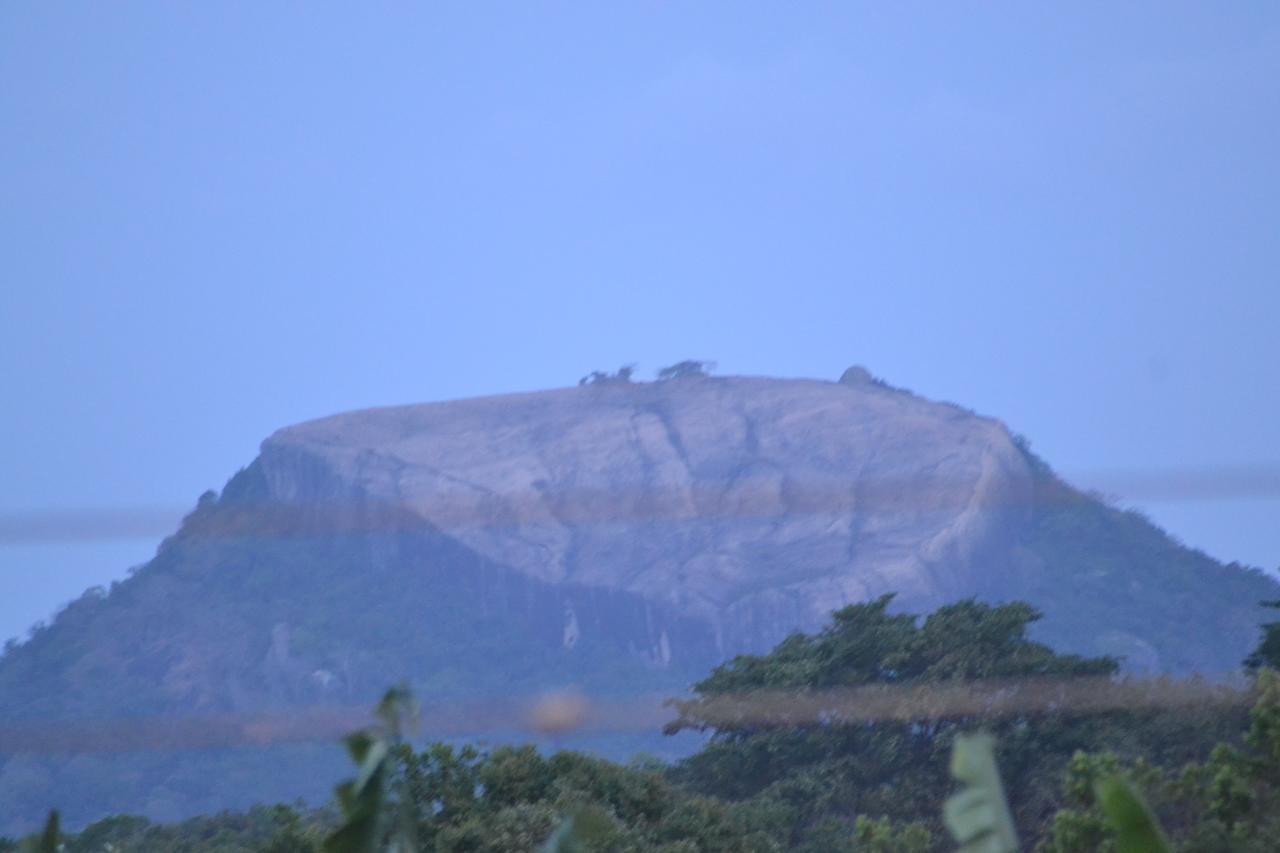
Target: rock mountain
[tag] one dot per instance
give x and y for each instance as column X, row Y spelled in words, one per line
column 756, row 506
column 620, row 536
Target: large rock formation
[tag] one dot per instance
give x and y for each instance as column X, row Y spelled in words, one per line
column 623, row 537
column 756, row 505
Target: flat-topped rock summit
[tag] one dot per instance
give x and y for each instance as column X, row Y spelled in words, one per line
column 758, row 504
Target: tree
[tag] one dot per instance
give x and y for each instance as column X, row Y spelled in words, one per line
column 601, row 377
column 514, row 798
column 831, row 767
column 1268, row 651
column 688, row 369
column 1228, row 802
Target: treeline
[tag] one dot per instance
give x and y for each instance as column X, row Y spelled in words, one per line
column 826, row 779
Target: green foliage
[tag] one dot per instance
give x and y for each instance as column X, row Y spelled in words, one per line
column 897, row 769
column 275, row 829
column 689, row 369
column 377, row 787
column 1230, row 801
column 514, row 798
column 1121, row 586
column 601, row 377
column 823, row 784
column 49, row 838
column 978, row 815
column 1135, row 828
column 586, row 829
column 884, row 836
column 1267, row 652
column 451, row 799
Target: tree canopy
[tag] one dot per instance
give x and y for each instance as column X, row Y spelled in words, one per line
column 830, row 781
column 817, row 774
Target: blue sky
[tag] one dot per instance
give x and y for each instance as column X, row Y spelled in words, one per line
column 219, row 219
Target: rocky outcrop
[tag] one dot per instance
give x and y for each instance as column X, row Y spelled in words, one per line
column 755, row 505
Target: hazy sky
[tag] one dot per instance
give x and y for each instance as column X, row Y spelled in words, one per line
column 217, row 219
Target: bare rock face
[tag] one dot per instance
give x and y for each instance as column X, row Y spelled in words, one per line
column 756, row 505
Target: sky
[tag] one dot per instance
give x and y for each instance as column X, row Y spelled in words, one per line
column 220, row 219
